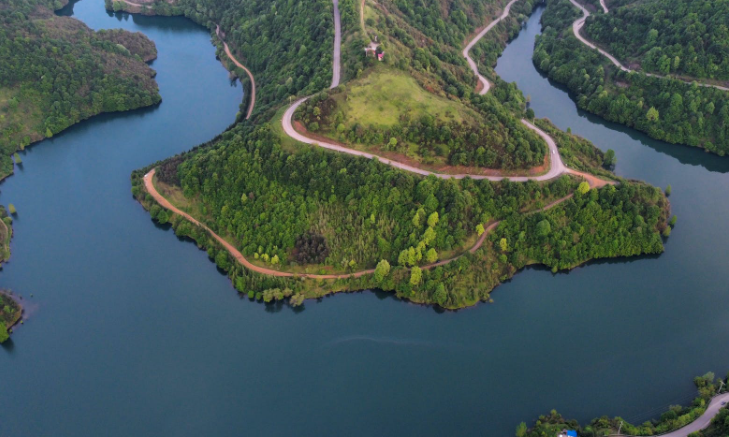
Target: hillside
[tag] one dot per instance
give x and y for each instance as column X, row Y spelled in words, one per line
column 288, row 220
column 386, row 110
column 689, row 38
column 56, row 72
column 667, row 109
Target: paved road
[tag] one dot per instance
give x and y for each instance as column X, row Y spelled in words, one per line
column 336, row 67
column 703, row 421
column 580, row 22
column 252, row 101
column 556, row 169
column 476, row 39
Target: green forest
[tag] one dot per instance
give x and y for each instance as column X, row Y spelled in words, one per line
column 689, row 38
column 56, row 72
column 298, row 208
column 666, row 109
column 307, row 210
column 676, row 417
column 10, row 313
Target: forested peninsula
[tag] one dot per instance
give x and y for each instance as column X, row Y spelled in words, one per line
column 706, row 416
column 55, row 72
column 677, row 95
column 287, row 220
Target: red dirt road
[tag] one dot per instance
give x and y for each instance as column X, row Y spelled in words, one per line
column 152, row 190
column 252, row 102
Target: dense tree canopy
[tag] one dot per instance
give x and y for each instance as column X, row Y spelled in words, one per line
column 306, row 210
column 666, row 109
column 690, row 38
column 55, row 71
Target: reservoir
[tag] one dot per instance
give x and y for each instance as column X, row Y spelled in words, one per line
column 135, row 332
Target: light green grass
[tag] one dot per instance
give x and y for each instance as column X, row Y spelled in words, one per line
column 381, row 97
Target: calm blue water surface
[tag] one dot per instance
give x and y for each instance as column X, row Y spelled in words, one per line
column 134, row 332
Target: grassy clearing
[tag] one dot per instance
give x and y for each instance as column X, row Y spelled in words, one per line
column 383, row 96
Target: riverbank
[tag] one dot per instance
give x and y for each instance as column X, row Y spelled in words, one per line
column 677, row 421
column 665, row 108
column 40, row 98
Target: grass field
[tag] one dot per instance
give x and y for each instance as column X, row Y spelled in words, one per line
column 381, row 97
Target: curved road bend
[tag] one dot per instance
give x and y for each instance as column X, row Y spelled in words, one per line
column 556, row 169
column 716, row 404
column 476, row 39
column 252, row 102
column 580, row 22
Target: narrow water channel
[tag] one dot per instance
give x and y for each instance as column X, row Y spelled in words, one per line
column 134, row 332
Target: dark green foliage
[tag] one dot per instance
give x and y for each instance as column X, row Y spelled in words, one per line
column 167, row 172
column 653, row 35
column 55, row 71
column 622, row 220
column 719, row 425
column 666, row 109
column 310, row 249
column 609, row 160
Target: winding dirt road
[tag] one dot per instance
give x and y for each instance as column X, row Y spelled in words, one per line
column 235, row 253
column 578, row 24
column 486, row 86
column 252, row 101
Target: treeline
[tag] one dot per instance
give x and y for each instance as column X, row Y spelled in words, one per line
column 689, row 38
column 675, row 418
column 55, row 72
column 666, row 109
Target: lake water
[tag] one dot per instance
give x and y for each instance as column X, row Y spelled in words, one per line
column 134, row 332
